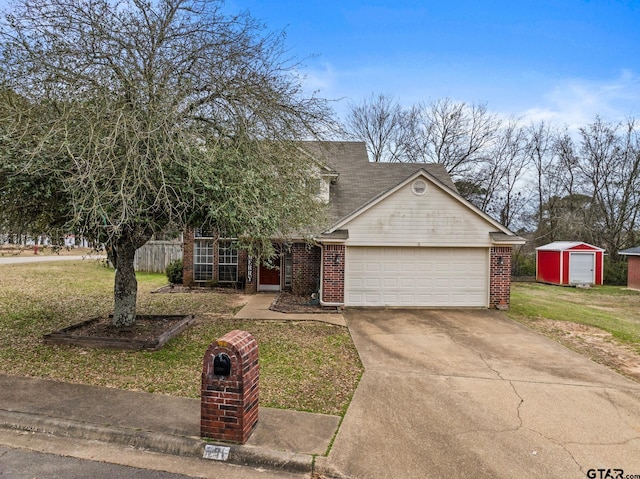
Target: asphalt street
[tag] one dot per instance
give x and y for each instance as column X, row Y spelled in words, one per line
column 24, row 464
column 25, row 455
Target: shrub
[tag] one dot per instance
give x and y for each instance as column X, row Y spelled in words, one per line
column 523, row 264
column 174, row 272
column 615, row 272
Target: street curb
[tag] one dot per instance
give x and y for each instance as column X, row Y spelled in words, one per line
column 243, row 455
column 325, row 469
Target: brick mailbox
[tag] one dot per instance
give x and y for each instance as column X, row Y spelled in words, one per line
column 230, row 373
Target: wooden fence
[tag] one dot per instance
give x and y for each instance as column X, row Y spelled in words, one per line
column 154, row 256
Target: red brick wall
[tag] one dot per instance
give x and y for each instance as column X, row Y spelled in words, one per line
column 187, row 263
column 500, row 277
column 305, row 268
column 229, row 404
column 333, row 273
column 633, row 274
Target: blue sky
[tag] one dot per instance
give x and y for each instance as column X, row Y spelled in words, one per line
column 560, row 60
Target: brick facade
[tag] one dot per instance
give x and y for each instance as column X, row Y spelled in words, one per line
column 500, row 277
column 244, row 263
column 305, row 268
column 229, row 404
column 309, row 260
column 333, row 261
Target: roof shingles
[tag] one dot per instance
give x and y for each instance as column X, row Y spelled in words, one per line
column 359, row 180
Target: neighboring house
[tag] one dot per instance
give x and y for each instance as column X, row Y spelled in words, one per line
column 633, row 266
column 570, row 263
column 399, row 235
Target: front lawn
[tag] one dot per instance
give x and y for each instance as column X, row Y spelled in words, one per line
column 612, row 308
column 601, row 322
column 304, row 365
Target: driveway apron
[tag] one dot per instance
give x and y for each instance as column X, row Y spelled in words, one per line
column 470, row 393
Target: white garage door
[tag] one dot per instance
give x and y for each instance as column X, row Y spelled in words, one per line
column 389, row 276
column 581, row 268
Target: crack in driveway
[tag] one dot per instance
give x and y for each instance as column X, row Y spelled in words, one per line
column 479, row 374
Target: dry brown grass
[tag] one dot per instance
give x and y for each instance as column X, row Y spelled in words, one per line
column 305, row 366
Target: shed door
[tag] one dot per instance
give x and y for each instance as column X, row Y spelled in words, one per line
column 393, row 276
column 582, row 268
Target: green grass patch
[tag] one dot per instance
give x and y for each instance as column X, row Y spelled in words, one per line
column 611, row 308
column 304, row 365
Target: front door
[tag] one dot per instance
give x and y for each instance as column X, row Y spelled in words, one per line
column 269, row 278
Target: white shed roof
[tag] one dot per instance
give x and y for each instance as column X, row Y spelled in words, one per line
column 564, row 245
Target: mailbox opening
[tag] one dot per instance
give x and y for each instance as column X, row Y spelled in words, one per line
column 221, row 365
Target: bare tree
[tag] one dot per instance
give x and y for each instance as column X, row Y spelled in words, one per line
column 499, row 181
column 379, row 122
column 609, row 165
column 539, row 149
column 140, row 116
column 456, row 135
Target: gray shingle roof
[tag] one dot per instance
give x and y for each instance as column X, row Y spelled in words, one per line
column 359, row 180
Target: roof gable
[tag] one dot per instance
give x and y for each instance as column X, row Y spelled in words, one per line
column 437, row 217
column 568, row 245
column 359, row 185
column 359, row 180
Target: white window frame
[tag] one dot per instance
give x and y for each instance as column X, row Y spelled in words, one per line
column 227, row 260
column 203, row 259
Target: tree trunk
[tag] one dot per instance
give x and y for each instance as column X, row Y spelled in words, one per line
column 126, row 285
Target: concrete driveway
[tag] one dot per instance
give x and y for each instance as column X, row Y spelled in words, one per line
column 469, row 393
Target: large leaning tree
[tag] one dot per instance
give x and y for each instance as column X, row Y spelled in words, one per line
column 120, row 119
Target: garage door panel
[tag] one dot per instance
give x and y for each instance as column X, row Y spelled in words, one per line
column 373, row 298
column 390, row 282
column 372, row 283
column 424, row 267
column 416, row 276
column 390, row 267
column 372, row 267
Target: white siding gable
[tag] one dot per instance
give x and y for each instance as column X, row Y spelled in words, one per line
column 321, row 182
column 435, row 218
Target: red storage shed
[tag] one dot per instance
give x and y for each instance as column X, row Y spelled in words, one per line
column 569, row 263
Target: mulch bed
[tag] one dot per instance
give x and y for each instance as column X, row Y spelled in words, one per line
column 179, row 288
column 149, row 332
column 290, row 303
column 285, row 302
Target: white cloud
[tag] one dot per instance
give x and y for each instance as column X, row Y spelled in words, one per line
column 320, row 78
column 576, row 102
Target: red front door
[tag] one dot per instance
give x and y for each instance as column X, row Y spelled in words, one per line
column 269, row 278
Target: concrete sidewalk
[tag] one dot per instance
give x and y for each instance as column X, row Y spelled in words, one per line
column 283, row 440
column 258, row 308
column 45, row 259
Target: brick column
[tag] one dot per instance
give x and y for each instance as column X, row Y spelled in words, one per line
column 229, row 403
column 500, row 277
column 187, row 258
column 305, row 259
column 333, row 273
